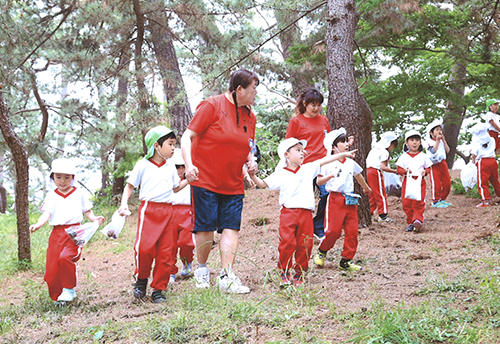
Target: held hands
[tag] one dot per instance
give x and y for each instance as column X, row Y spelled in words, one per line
column 192, row 173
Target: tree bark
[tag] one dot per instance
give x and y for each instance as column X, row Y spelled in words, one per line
column 346, row 105
column 20, row 157
column 173, row 84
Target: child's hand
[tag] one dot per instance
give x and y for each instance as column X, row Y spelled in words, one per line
column 123, row 210
column 35, row 227
column 99, row 219
column 367, row 191
column 192, row 173
column 350, row 154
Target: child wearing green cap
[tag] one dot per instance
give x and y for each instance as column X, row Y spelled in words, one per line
column 491, row 119
column 156, row 238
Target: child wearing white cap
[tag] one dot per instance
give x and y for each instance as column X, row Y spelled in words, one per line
column 483, row 155
column 294, row 180
column 63, row 208
column 414, row 164
column 377, row 162
column 341, row 208
column 492, row 123
column 437, row 148
column 156, row 239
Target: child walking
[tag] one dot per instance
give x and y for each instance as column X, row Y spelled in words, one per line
column 296, row 230
column 182, row 218
column 341, row 208
column 377, row 162
column 63, row 208
column 492, row 123
column 156, row 238
column 437, row 148
column 414, row 164
column 483, row 155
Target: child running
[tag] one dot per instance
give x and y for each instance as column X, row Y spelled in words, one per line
column 413, row 163
column 63, row 208
column 296, row 229
column 483, row 155
column 341, row 208
column 182, row 218
column 437, row 148
column 156, row 238
column 377, row 162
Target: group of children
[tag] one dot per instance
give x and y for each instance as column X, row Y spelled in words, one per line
column 164, row 223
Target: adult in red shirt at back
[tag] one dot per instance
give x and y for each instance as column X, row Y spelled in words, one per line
column 215, row 148
column 311, row 126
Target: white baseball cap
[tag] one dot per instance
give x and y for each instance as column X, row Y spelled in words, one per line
column 287, row 144
column 331, row 137
column 177, row 157
column 386, row 139
column 435, row 123
column 62, row 165
column 411, row 133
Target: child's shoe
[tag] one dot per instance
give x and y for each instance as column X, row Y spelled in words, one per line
column 186, row 270
column 158, row 297
column 447, row 203
column 348, row 265
column 439, row 204
column 319, row 259
column 410, row 228
column 140, row 288
column 319, row 233
column 230, row 283
column 172, row 279
column 67, row 295
column 483, row 204
column 417, row 225
column 298, row 279
column 285, row 279
column 202, row 278
column 387, row 219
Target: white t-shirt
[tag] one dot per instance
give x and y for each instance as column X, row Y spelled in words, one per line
column 438, row 155
column 376, row 157
column 491, row 116
column 344, row 173
column 296, row 187
column 182, row 197
column 483, row 152
column 156, row 181
column 416, row 164
column 66, row 209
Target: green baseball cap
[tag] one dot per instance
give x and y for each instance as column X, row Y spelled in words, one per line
column 490, row 102
column 152, row 136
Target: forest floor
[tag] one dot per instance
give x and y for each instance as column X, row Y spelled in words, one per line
column 396, row 266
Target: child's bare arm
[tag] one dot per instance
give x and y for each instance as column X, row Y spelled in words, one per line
column 359, row 177
column 384, row 166
column 44, row 218
column 322, row 180
column 92, row 217
column 330, row 158
column 127, row 192
column 181, row 185
column 259, row 182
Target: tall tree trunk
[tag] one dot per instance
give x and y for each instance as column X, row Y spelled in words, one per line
column 455, row 109
column 20, row 157
column 173, row 85
column 346, row 105
column 3, row 191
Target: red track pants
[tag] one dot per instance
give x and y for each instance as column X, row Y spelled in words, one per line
column 60, row 266
column 339, row 215
column 414, row 210
column 440, row 181
column 185, row 243
column 378, row 198
column 156, row 241
column 296, row 236
column 495, row 135
column 487, row 171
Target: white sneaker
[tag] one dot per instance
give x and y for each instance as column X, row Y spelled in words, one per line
column 172, row 279
column 67, row 295
column 230, row 283
column 202, row 278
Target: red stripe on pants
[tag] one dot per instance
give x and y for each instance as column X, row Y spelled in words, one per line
column 338, row 215
column 60, row 266
column 487, row 171
column 440, row 181
column 296, row 236
column 182, row 218
column 414, row 210
column 156, row 241
column 378, row 198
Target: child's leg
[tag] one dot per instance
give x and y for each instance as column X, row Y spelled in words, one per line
column 372, row 180
column 482, row 179
column 418, row 207
column 166, row 252
column 334, row 219
column 182, row 215
column 351, row 232
column 288, row 243
column 67, row 264
column 52, row 275
column 435, row 179
column 445, row 180
column 407, row 204
column 494, row 176
column 304, row 240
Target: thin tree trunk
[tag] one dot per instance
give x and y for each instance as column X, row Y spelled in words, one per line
column 346, row 105
column 20, row 157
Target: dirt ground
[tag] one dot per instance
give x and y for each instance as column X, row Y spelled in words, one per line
column 395, row 263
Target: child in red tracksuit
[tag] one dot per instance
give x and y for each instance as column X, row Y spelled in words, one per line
column 296, row 229
column 182, row 217
column 341, row 208
column 63, row 208
column 413, row 164
column 483, row 155
column 156, row 239
column 437, row 148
